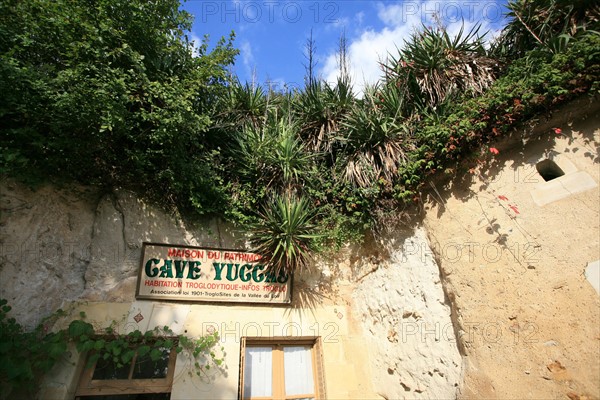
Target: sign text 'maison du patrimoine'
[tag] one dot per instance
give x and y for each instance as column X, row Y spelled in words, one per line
column 201, row 274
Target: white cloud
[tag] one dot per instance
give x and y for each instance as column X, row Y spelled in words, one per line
column 394, row 15
column 195, row 42
column 448, row 12
column 370, row 46
column 247, row 57
column 365, row 54
column 359, row 18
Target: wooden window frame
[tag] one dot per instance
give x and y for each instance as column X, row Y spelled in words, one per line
column 278, row 343
column 97, row 387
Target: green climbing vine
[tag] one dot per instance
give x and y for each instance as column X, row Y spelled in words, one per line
column 27, row 355
column 122, row 348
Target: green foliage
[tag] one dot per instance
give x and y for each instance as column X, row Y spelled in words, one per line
column 26, row 356
column 374, row 141
column 284, row 234
column 272, row 155
column 433, row 67
column 290, row 157
column 548, row 25
column 119, row 350
column 244, row 105
column 265, row 160
column 109, row 93
column 319, row 108
column 520, row 93
column 200, row 349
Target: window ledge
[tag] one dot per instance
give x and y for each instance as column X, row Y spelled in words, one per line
column 562, row 187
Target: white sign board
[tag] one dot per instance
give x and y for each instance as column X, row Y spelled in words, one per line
column 184, row 273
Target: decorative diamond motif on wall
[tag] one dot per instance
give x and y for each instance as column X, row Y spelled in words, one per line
column 138, row 317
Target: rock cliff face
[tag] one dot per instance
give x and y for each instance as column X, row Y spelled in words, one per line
column 406, row 318
column 61, row 246
column 64, row 245
column 499, row 269
column 46, row 241
column 514, row 248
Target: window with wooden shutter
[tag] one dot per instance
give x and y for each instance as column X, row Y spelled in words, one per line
column 140, row 379
column 281, row 368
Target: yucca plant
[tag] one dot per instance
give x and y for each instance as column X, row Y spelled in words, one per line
column 253, row 147
column 290, row 157
column 244, row 105
column 375, row 141
column 545, row 24
column 273, row 155
column 390, row 101
column 433, row 66
column 285, row 234
column 319, row 109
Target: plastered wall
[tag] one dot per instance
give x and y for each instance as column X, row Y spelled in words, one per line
column 345, row 351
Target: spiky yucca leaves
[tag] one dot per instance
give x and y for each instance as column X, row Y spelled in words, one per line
column 375, row 138
column 319, row 109
column 244, row 105
column 545, row 24
column 433, row 66
column 291, row 158
column 273, row 155
column 284, row 235
column 253, row 147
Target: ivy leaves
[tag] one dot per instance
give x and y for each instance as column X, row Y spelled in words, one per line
column 120, row 349
column 155, row 344
column 27, row 355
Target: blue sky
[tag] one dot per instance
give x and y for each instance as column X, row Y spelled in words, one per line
column 271, row 34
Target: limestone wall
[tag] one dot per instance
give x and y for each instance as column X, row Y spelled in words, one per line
column 406, row 322
column 382, row 316
column 78, row 244
column 514, row 249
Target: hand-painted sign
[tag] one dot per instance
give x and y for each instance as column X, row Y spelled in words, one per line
column 187, row 273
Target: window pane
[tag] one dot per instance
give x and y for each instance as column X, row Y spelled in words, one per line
column 145, row 368
column 107, row 369
column 258, row 372
column 297, row 364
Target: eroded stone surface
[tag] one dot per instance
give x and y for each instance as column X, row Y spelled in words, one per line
column 59, row 245
column 45, row 239
column 406, row 318
column 526, row 318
